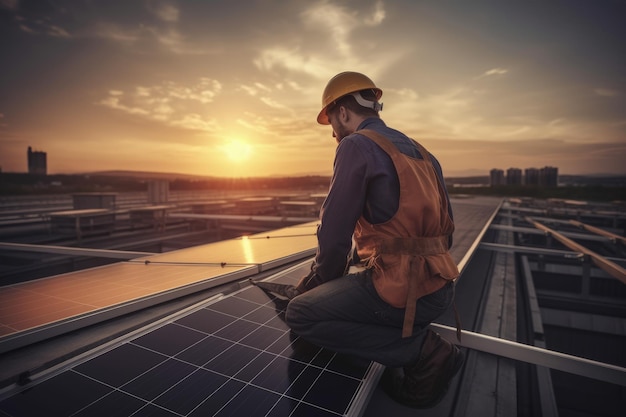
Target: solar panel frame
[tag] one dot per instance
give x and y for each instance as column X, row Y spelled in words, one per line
column 249, row 328
column 89, row 315
column 240, row 257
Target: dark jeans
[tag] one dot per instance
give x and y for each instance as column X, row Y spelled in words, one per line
column 346, row 315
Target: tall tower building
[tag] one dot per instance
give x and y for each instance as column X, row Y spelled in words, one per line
column 531, row 176
column 496, row 177
column 37, row 162
column 514, row 176
column 549, row 176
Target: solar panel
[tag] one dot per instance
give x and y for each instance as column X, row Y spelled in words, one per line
column 229, row 356
column 43, row 308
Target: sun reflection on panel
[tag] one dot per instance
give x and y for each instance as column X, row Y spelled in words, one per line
column 247, row 250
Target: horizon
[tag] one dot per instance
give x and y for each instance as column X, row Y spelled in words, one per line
column 216, row 89
column 122, row 172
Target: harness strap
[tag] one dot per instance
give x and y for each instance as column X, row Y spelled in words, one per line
column 414, row 245
column 411, row 305
column 411, row 247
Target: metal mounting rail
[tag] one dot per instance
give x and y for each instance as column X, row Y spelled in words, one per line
column 65, row 250
column 601, row 262
column 502, row 247
column 243, row 217
column 543, row 357
column 566, row 254
column 531, row 230
column 612, row 236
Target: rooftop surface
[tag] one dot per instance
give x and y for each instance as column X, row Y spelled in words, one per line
column 518, row 284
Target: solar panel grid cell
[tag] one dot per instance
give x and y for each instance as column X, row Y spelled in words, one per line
column 231, row 357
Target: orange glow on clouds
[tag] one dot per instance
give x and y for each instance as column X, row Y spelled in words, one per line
column 211, row 88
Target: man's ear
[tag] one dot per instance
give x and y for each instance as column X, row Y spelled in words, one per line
column 344, row 115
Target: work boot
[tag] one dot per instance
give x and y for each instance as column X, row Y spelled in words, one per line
column 426, row 381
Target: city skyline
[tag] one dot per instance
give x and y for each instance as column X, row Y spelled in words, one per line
column 217, row 89
column 37, row 164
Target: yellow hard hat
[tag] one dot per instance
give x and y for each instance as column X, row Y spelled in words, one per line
column 342, row 84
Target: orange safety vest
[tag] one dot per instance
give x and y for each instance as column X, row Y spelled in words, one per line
column 409, row 253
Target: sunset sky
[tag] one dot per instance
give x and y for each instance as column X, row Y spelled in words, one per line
column 233, row 88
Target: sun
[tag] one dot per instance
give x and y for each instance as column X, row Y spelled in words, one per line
column 237, row 150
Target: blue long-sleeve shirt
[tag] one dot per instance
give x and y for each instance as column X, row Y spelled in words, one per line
column 364, row 182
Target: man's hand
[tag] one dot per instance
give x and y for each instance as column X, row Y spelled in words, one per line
column 284, row 291
column 287, row 291
column 309, row 282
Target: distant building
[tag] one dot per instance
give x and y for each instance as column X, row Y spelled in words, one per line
column 514, row 176
column 37, row 163
column 531, row 176
column 496, row 177
column 549, row 176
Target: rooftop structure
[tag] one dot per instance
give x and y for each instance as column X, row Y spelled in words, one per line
column 546, row 177
column 513, row 176
column 541, row 299
column 37, row 162
column 496, row 177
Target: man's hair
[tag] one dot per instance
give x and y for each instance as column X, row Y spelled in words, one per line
column 349, row 102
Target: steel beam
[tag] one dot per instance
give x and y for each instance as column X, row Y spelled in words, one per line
column 499, row 247
column 530, row 230
column 532, row 354
column 611, row 236
column 601, row 262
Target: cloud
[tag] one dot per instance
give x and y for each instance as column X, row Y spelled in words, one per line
column 262, row 87
column 461, row 112
column 605, row 92
column 326, row 43
column 204, row 91
column 166, row 11
column 446, row 74
column 273, row 103
column 378, row 16
column 195, row 122
column 255, row 89
column 264, row 94
column 448, row 113
column 292, row 60
column 175, row 42
column 114, row 103
column 169, row 38
column 79, row 21
column 282, row 130
column 170, row 103
column 496, row 71
column 339, row 22
column 111, row 31
column 10, row 4
column 249, row 89
column 406, row 94
column 42, row 27
column 251, row 125
column 493, row 72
